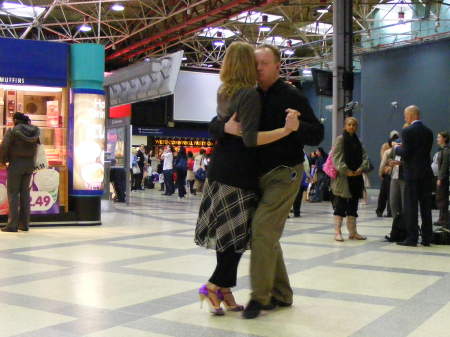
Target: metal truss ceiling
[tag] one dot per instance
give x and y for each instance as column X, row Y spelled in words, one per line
column 150, row 28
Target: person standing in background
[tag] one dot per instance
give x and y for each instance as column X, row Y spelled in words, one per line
column 417, row 141
column 442, row 182
column 18, row 149
column 385, row 175
column 181, row 170
column 167, row 157
column 190, row 177
column 350, row 160
column 199, row 163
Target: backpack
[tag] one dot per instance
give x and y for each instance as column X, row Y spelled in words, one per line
column 441, row 237
column 329, row 168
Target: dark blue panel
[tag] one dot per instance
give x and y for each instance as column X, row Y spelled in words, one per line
column 419, row 75
column 33, row 62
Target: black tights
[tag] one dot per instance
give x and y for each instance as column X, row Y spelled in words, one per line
column 225, row 274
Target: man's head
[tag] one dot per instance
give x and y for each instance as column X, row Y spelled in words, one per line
column 20, row 118
column 411, row 114
column 268, row 65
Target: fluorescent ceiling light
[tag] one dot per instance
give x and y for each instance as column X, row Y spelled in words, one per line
column 280, row 41
column 264, row 29
column 322, row 10
column 16, row 9
column 184, row 58
column 318, row 28
column 117, row 7
column 29, row 88
column 85, row 28
column 219, row 43
column 255, row 17
column 288, row 52
column 212, row 32
column 306, row 72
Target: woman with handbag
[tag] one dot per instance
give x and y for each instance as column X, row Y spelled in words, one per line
column 350, row 160
column 230, row 192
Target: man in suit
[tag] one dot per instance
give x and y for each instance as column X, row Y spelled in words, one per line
column 415, row 149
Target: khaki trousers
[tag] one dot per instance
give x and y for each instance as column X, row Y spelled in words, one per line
column 267, row 269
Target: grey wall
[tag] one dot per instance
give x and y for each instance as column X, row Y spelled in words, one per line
column 318, row 103
column 417, row 75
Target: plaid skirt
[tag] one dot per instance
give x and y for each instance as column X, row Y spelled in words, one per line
column 225, row 217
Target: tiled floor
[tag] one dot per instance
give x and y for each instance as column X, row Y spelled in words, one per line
column 137, row 276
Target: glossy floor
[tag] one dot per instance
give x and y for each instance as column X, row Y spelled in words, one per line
column 137, row 275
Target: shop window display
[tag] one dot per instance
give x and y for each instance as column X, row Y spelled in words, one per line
column 48, row 109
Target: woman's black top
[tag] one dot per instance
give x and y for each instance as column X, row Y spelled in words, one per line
column 234, row 160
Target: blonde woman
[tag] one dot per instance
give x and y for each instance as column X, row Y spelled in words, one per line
column 229, row 196
column 350, row 160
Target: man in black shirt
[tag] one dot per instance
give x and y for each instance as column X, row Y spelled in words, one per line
column 280, row 171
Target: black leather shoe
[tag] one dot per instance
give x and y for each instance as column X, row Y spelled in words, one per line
column 407, row 243
column 6, row 229
column 252, row 310
column 426, row 243
column 23, row 228
column 379, row 214
column 279, row 303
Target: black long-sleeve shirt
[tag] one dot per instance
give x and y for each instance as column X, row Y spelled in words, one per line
column 288, row 150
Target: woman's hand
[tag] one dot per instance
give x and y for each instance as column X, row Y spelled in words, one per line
column 358, row 172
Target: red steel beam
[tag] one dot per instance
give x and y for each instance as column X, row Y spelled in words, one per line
column 179, row 27
column 215, row 22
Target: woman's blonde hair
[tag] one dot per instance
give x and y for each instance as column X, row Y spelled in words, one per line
column 238, row 69
column 351, row 119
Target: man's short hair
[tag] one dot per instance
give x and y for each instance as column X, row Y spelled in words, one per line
column 20, row 117
column 275, row 51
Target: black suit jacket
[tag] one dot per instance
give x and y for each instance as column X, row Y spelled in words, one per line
column 417, row 141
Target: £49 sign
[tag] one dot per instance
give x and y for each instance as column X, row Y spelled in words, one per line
column 41, row 201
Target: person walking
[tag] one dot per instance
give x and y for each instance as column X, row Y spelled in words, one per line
column 18, row 150
column 230, row 192
column 417, row 141
column 190, row 177
column 350, row 160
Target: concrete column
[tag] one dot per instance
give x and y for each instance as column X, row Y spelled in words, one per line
column 343, row 62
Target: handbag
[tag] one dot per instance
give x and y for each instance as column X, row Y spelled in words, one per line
column 200, row 174
column 329, row 168
column 40, row 158
column 136, row 170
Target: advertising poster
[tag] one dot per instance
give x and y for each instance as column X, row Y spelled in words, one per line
column 43, row 195
column 89, row 141
column 115, row 146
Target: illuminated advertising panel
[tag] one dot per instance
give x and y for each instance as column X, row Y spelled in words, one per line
column 88, row 141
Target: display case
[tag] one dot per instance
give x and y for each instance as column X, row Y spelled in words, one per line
column 47, row 107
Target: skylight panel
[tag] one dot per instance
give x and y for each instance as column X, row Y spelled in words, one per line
column 17, row 9
column 212, row 32
column 255, row 17
column 318, row 28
